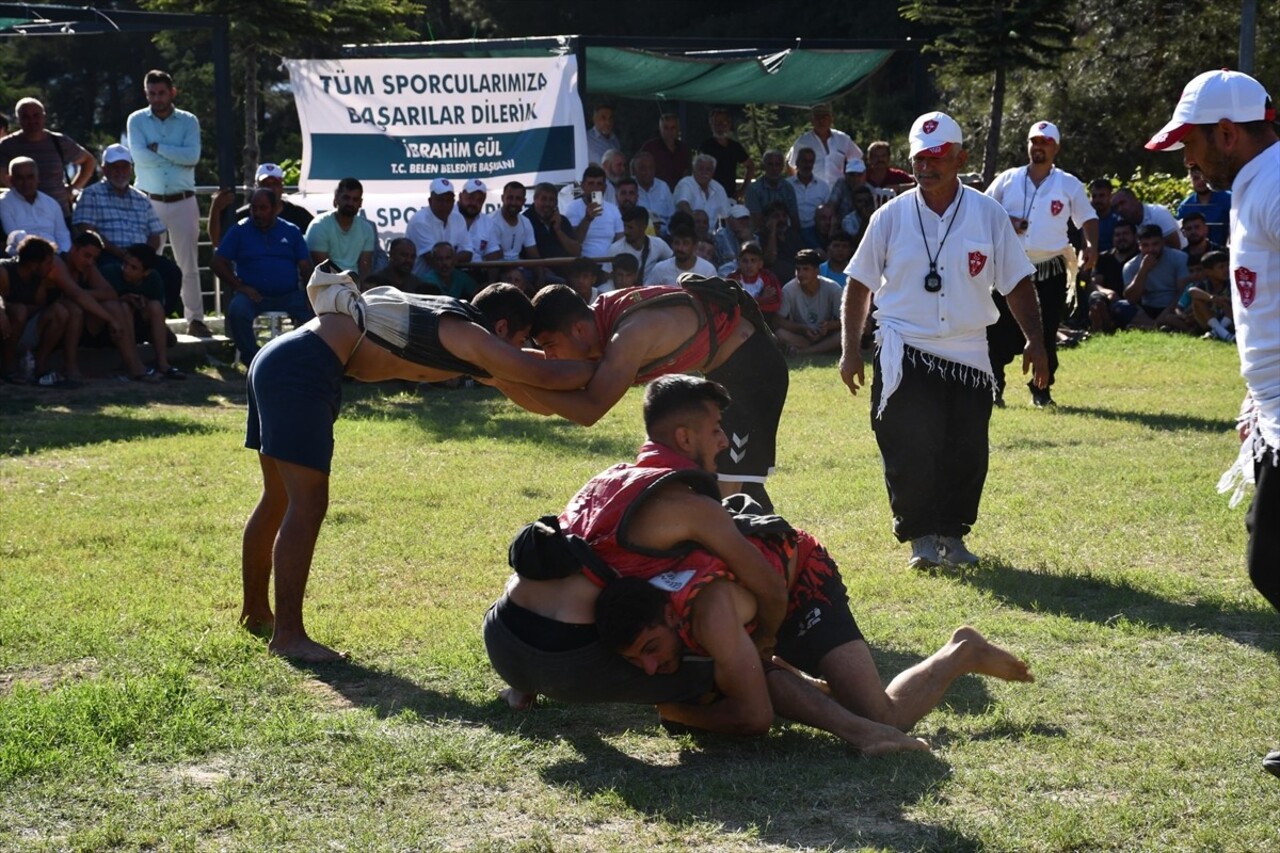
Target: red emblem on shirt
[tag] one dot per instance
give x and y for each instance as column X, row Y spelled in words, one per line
column 977, row 261
column 1055, row 207
column 1247, row 285
column 930, row 126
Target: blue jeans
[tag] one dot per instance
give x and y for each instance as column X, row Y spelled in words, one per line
column 241, row 311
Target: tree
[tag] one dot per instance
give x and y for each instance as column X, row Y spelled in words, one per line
column 988, row 39
column 293, row 28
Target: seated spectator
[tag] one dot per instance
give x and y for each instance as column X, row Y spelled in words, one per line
column 615, row 169
column 342, row 236
column 1106, row 281
column 519, row 278
column 810, row 191
column 701, row 192
column 268, row 176
column 36, row 320
column 1138, row 213
column 82, row 267
column 1205, row 304
column 627, row 195
column 471, row 206
column 671, row 157
column 882, row 175
column 648, row 251
column 551, row 232
column 771, row 187
column 855, row 221
column 121, row 215
column 728, row 153
column 1152, row 280
column 809, row 319
column 443, row 274
column 1195, row 230
column 138, row 286
column 833, row 147
column 780, row 241
column 841, row 198
column 264, row 262
column 584, row 278
column 439, row 222
column 758, row 281
column 1100, row 191
column 654, row 195
column 1213, row 205
column 600, row 136
column 597, row 223
column 684, row 254
column 510, row 234
column 52, row 153
column 25, row 208
column 705, row 248
column 730, row 237
column 625, row 271
column 839, row 253
column 398, row 273
column 824, row 226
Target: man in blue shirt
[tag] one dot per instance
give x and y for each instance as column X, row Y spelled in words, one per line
column 165, row 144
column 263, row 261
column 1214, row 204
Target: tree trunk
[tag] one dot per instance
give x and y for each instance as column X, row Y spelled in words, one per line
column 251, row 151
column 992, row 153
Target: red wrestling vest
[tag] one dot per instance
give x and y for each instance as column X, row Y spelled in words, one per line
column 612, row 307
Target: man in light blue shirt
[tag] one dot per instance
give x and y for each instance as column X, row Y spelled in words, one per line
column 165, row 144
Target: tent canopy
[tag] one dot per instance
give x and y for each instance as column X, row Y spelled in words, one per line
column 793, row 72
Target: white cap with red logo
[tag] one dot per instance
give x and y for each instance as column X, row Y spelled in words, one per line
column 1045, row 129
column 1212, row 96
column 933, row 134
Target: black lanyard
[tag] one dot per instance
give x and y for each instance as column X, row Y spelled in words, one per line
column 933, row 281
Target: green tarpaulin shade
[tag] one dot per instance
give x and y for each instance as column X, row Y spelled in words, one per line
column 794, row 77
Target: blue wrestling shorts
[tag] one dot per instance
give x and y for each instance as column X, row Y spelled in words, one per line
column 295, row 393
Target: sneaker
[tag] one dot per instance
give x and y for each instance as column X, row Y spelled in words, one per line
column 1040, row 397
column 198, row 329
column 951, row 551
column 924, row 553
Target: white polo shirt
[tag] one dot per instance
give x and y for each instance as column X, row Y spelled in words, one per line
column 809, row 196
column 1060, row 196
column 658, row 201
column 1158, row 214
column 981, row 251
column 1255, row 285
column 425, row 230
column 41, row 218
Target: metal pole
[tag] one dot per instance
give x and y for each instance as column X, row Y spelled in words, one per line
column 1248, row 33
column 225, row 140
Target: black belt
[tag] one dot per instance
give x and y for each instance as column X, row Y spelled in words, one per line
column 170, row 198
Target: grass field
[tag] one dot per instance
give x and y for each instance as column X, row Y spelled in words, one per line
column 135, row 715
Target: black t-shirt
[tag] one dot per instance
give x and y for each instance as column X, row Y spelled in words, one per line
column 728, row 156
column 549, row 245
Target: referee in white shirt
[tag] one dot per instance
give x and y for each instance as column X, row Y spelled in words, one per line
column 931, row 256
column 1039, row 198
column 1225, row 123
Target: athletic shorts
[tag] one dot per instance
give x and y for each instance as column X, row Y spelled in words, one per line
column 513, row 636
column 818, row 616
column 295, row 393
column 756, row 378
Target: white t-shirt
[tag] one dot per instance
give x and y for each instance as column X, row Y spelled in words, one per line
column 602, row 231
column 507, row 238
column 808, row 197
column 800, row 307
column 1046, row 208
column 713, row 200
column 658, row 252
column 829, row 159
column 41, row 218
column 1158, row 214
column 658, row 201
column 667, row 272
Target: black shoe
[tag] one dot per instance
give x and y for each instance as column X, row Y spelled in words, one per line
column 1040, row 397
column 1271, row 763
column 998, row 402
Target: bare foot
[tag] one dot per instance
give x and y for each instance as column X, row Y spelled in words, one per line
column 986, row 658
column 519, row 701
column 258, row 624
column 891, row 740
column 305, row 650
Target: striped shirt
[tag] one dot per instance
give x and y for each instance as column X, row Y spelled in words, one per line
column 120, row 219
